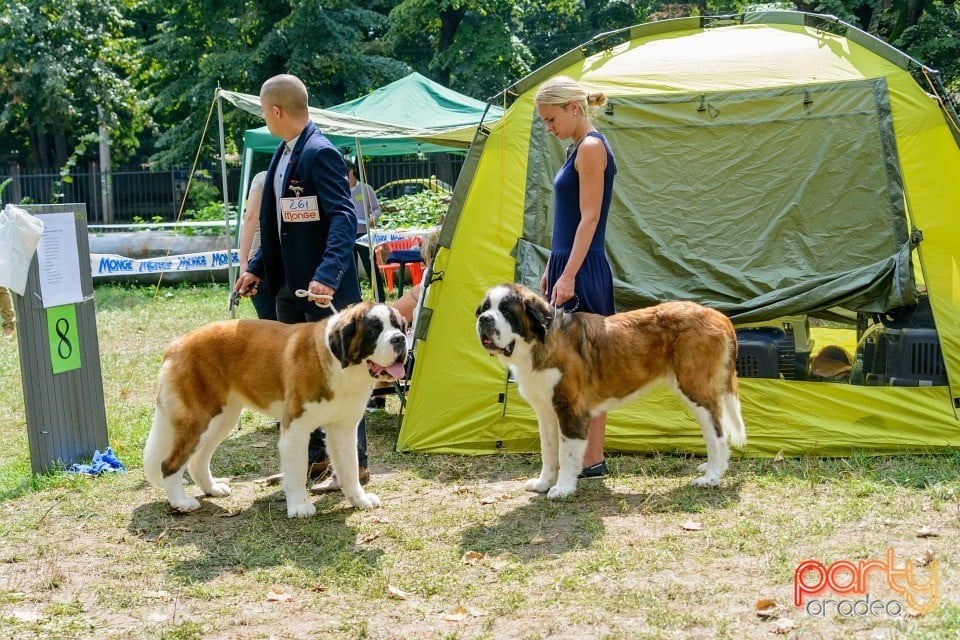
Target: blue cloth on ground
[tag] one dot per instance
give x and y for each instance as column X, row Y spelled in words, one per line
column 105, row 462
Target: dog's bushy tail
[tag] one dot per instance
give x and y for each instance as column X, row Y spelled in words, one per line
column 731, row 417
column 157, row 447
column 733, row 421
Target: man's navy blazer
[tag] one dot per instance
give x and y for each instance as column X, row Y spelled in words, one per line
column 317, row 250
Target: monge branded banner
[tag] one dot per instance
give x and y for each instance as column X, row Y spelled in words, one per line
column 102, row 264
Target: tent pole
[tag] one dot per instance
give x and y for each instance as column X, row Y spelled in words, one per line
column 231, row 276
column 367, row 212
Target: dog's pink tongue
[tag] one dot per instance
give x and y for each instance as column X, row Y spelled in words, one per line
column 397, row 370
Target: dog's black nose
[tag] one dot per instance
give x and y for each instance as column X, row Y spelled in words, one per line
column 398, row 340
column 485, row 320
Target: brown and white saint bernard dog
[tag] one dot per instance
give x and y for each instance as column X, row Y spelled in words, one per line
column 306, row 375
column 573, row 366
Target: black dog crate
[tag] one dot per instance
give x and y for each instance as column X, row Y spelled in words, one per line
column 899, row 348
column 771, row 352
column 905, row 357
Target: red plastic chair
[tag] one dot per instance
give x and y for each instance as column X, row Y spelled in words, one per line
column 382, row 251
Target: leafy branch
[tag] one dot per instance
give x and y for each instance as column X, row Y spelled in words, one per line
column 56, row 189
column 3, row 186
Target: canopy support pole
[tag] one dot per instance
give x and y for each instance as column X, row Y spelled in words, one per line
column 367, row 213
column 231, row 274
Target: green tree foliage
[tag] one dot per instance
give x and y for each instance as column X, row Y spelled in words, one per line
column 552, row 27
column 471, row 46
column 63, row 60
column 334, row 48
column 59, row 61
column 935, row 41
column 197, row 45
column 191, row 46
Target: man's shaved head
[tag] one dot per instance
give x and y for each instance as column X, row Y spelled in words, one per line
column 287, row 92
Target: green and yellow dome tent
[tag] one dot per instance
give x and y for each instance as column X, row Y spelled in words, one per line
column 771, row 165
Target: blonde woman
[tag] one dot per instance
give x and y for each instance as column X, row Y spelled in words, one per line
column 578, row 276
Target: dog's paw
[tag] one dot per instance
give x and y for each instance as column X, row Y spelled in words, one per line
column 538, row 485
column 301, row 510
column 706, row 481
column 557, row 491
column 185, row 504
column 219, row 489
column 365, row 501
column 702, row 467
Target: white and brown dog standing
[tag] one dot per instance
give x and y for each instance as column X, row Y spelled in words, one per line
column 573, row 366
column 308, row 374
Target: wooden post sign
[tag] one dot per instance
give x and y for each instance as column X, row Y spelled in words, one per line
column 59, row 350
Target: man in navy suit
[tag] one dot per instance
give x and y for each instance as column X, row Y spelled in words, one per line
column 308, row 226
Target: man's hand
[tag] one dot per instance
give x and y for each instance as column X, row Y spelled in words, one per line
column 320, row 289
column 247, row 284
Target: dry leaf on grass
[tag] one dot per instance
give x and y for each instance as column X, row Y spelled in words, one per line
column 278, row 595
column 370, row 537
column 927, row 532
column 396, row 592
column 779, row 456
column 767, row 608
column 692, row 525
column 782, row 625
column 472, row 557
column 459, row 489
column 460, row 614
column 319, row 588
column 231, row 513
column 259, row 445
column 492, row 499
column 925, row 559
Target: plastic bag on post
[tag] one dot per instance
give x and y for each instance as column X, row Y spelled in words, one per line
column 19, row 236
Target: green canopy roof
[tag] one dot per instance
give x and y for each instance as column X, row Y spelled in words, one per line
column 413, row 114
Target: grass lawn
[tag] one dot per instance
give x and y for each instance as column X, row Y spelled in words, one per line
column 459, row 549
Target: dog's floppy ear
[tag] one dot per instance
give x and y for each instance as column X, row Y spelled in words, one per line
column 398, row 320
column 538, row 311
column 484, row 304
column 342, row 334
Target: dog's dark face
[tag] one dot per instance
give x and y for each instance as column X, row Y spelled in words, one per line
column 511, row 313
column 370, row 333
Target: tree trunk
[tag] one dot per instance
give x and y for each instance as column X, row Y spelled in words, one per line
column 914, row 11
column 60, row 148
column 450, row 20
column 864, row 15
column 41, row 157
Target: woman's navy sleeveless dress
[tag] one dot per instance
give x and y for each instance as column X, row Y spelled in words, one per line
column 593, row 286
